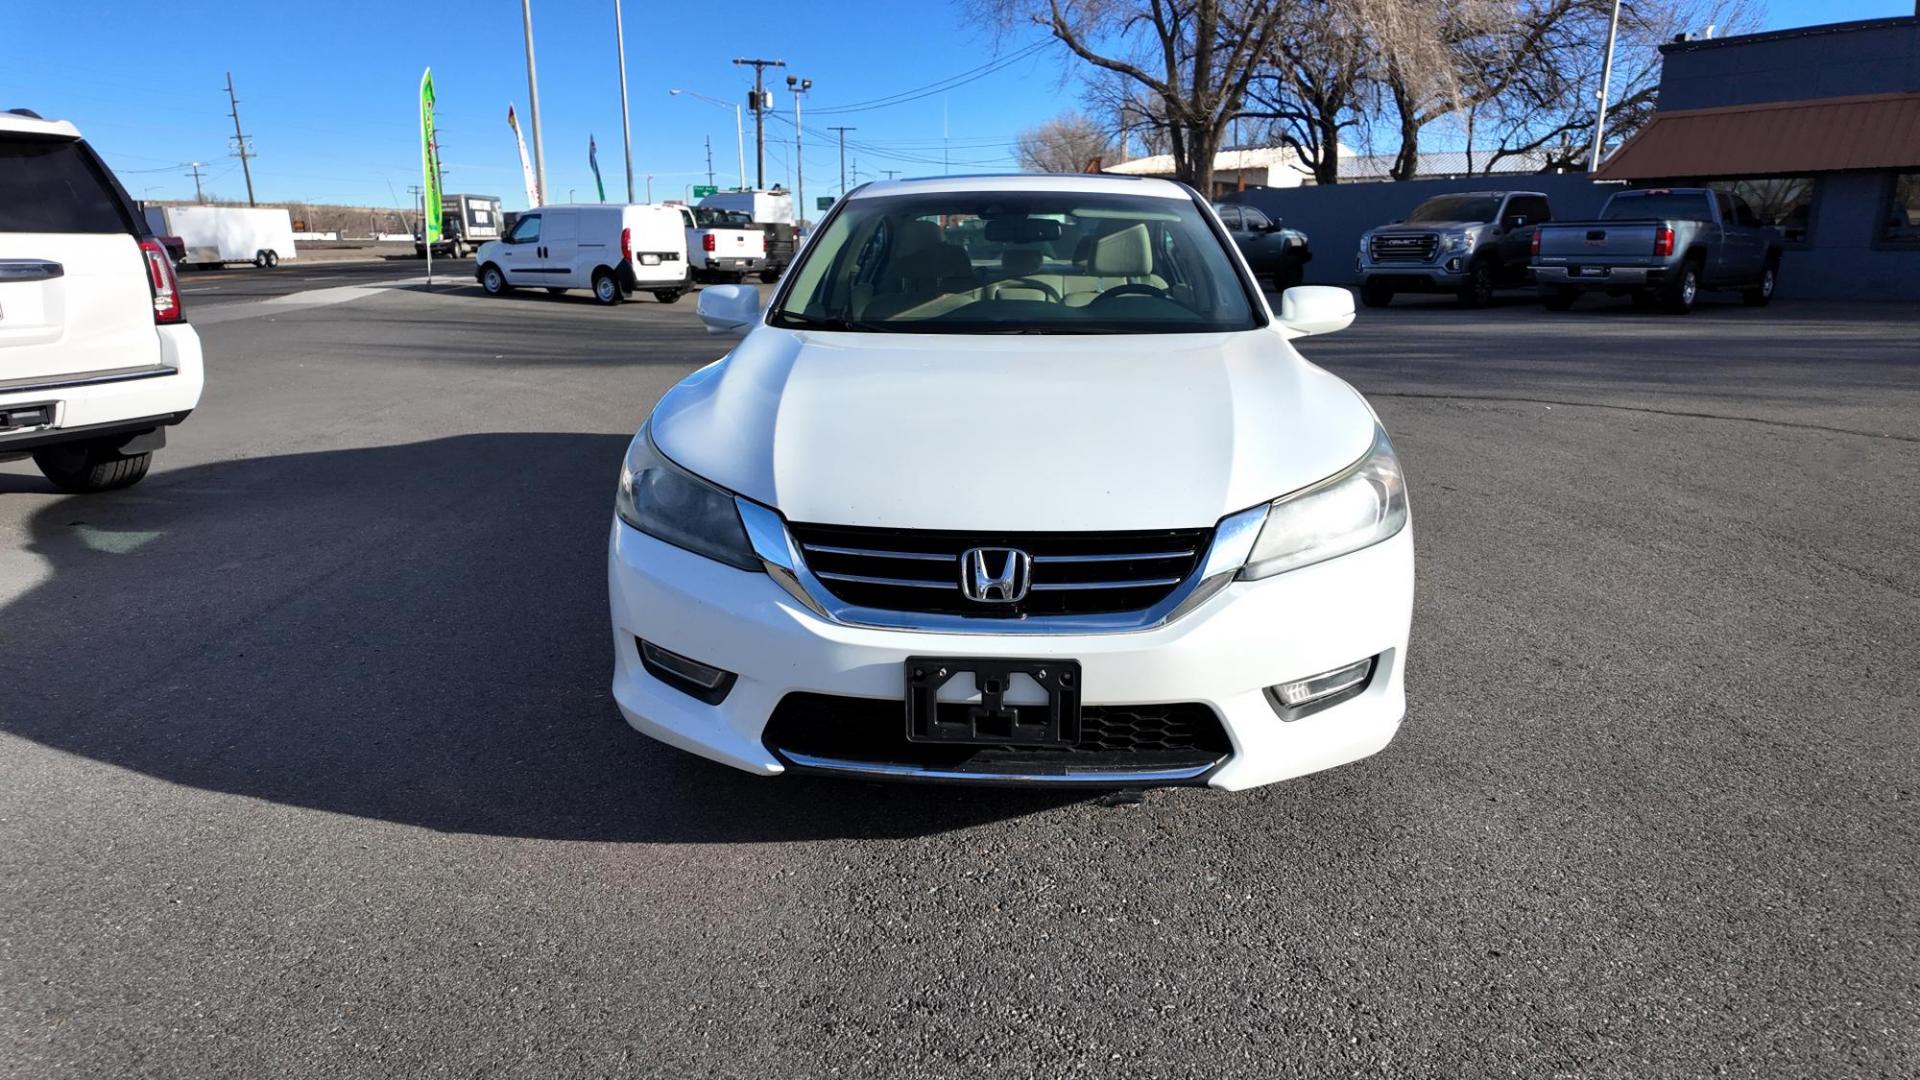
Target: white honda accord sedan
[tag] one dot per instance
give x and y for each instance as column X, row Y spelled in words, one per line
column 1019, row 480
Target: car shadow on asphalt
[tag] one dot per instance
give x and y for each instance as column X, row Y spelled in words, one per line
column 413, row 633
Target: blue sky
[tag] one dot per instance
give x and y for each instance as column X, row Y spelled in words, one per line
column 329, row 99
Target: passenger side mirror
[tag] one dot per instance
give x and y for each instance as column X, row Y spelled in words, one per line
column 728, row 309
column 1515, row 221
column 1315, row 309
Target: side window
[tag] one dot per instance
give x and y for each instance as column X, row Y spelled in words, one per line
column 1726, row 206
column 687, row 219
column 1902, row 222
column 1256, row 221
column 526, row 230
column 1230, row 217
column 1537, row 209
column 1743, row 213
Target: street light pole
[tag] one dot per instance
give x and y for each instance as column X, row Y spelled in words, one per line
column 626, row 126
column 533, row 103
column 797, row 86
column 1606, row 78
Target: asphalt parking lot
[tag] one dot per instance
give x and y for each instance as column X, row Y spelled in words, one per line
column 308, row 765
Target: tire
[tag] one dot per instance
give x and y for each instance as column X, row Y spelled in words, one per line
column 1680, row 296
column 1762, row 294
column 1373, row 294
column 606, row 288
column 768, row 277
column 260, row 259
column 494, row 281
column 1559, row 298
column 273, row 259
column 668, row 296
column 1478, row 291
column 87, row 467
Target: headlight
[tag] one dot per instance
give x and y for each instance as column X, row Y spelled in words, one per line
column 669, row 503
column 1362, row 505
column 1459, row 242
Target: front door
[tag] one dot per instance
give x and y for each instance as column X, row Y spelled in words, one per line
column 520, row 256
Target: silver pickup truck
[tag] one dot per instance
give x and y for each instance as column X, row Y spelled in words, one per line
column 1659, row 246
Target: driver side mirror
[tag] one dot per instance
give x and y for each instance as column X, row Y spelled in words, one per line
column 1306, row 310
column 1515, row 221
column 728, row 309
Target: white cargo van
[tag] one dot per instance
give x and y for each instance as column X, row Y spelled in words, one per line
column 615, row 251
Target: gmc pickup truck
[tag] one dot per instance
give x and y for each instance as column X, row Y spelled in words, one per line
column 722, row 246
column 1468, row 243
column 1659, row 246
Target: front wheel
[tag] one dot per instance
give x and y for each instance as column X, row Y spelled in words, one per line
column 493, row 281
column 1762, row 294
column 95, row 465
column 1374, row 294
column 1478, row 291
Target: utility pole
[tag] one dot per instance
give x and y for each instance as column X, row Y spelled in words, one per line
column 533, row 103
column 710, row 161
column 891, row 173
column 797, row 86
column 1606, row 77
column 760, row 98
column 196, row 167
column 239, row 139
column 843, row 155
column 626, row 127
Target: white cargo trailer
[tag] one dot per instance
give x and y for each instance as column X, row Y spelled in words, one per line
column 227, row 234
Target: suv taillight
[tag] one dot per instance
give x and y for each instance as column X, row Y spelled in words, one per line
column 166, row 287
column 1663, row 240
column 1535, row 243
column 626, row 244
column 706, row 242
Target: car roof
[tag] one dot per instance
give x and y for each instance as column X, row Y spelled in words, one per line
column 1068, row 182
column 33, row 125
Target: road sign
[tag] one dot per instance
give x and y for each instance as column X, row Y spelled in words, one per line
column 824, row 202
column 701, row 191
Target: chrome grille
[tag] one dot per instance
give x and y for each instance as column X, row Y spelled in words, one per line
column 1403, row 247
column 1073, row 573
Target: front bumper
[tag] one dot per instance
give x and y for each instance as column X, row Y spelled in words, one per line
column 1223, row 654
column 1447, row 275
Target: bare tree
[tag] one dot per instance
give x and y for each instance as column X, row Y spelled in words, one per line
column 1316, row 84
column 1069, row 142
column 1193, row 57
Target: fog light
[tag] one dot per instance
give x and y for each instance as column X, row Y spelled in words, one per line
column 1320, row 688
column 1453, row 265
column 691, row 677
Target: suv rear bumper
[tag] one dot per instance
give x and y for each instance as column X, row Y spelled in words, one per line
column 114, row 402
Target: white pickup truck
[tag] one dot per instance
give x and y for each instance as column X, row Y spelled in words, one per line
column 723, row 246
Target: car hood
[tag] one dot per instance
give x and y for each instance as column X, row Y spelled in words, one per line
column 1431, row 226
column 1026, row 433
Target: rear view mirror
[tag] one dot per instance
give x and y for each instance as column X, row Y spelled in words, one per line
column 1316, row 309
column 1022, row 230
column 728, row 309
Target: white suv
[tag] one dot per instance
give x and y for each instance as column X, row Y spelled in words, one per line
column 1017, row 479
column 96, row 357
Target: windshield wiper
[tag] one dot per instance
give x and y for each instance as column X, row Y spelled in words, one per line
column 800, row 319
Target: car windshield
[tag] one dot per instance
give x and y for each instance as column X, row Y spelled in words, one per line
column 1040, row 262
column 1665, row 205
column 1457, row 208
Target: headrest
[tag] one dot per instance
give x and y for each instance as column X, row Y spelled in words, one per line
column 1020, row 262
column 1126, row 253
column 916, row 236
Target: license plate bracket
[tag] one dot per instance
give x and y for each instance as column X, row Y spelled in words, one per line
column 992, row 721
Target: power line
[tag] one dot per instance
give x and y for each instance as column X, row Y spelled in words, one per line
column 943, row 85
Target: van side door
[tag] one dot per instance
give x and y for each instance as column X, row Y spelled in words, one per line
column 560, row 241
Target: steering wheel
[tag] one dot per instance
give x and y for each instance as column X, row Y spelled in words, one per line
column 1031, row 283
column 1134, row 288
